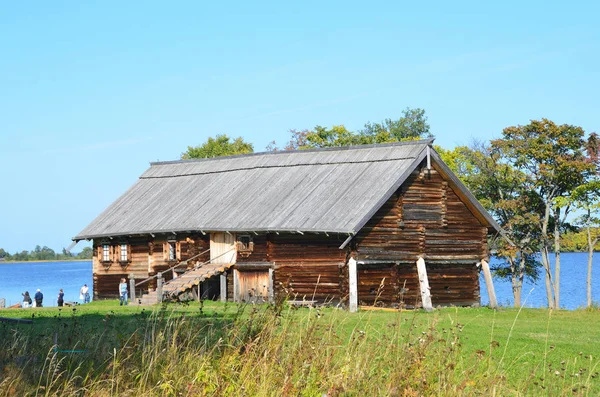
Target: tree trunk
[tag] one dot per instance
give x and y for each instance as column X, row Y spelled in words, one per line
column 557, row 257
column 548, row 277
column 521, row 274
column 591, row 244
column 546, row 258
column 514, row 279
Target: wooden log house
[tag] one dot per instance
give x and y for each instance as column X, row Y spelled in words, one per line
column 376, row 224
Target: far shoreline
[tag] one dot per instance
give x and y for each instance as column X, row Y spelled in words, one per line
column 49, row 260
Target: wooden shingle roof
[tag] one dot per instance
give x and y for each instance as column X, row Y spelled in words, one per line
column 333, row 190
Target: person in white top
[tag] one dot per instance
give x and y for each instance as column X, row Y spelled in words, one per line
column 84, row 294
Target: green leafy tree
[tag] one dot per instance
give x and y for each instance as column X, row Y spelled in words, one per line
column 551, row 159
column 4, row 254
column 587, row 198
column 86, row 253
column 336, row 136
column 221, row 145
column 411, row 126
column 21, row 256
column 499, row 187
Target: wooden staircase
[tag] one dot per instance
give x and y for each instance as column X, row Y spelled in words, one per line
column 185, row 282
column 172, row 289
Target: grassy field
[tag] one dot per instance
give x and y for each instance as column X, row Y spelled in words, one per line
column 226, row 349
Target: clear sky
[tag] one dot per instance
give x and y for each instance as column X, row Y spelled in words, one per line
column 91, row 92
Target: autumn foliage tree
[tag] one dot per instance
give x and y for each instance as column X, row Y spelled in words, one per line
column 499, row 187
column 551, row 159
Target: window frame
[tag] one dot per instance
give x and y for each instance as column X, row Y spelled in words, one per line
column 244, row 244
column 123, row 252
column 171, row 251
column 106, row 252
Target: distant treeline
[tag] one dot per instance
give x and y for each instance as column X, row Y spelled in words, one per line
column 576, row 241
column 44, row 254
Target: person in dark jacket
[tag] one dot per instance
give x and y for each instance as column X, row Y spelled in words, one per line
column 39, row 297
column 61, row 297
column 26, row 299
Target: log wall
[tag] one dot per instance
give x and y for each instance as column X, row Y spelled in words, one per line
column 424, row 218
column 308, row 266
column 146, row 257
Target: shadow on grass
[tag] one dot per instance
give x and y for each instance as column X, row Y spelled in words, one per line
column 85, row 339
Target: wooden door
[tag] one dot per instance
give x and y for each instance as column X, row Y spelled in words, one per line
column 222, row 248
column 253, row 286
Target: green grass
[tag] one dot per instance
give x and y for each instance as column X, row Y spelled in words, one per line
column 227, row 349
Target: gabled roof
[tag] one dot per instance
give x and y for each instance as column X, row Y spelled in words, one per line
column 332, row 190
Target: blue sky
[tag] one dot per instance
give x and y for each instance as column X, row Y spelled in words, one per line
column 91, row 92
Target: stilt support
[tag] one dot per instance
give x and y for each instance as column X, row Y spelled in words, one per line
column 424, row 285
column 353, row 281
column 487, row 275
column 223, row 293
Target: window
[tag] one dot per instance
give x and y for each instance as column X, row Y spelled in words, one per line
column 105, row 253
column 244, row 242
column 172, row 250
column 244, row 245
column 123, row 256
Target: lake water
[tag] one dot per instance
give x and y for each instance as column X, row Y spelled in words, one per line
column 70, row 276
column 573, row 276
column 49, row 277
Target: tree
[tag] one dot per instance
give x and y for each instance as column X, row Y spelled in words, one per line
column 587, row 198
column 336, row 136
column 4, row 254
column 221, row 145
column 412, row 125
column 551, row 159
column 499, row 187
column 86, row 253
column 298, row 140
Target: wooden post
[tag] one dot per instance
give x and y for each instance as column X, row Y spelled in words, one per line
column 353, row 282
column 132, row 286
column 223, row 278
column 424, row 285
column 236, row 286
column 271, row 292
column 488, row 283
column 159, row 287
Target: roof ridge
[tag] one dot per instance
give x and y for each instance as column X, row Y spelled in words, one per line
column 306, row 164
column 428, row 141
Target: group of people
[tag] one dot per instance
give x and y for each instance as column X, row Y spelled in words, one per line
column 28, row 302
column 38, row 298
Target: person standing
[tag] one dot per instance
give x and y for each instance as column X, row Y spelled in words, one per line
column 84, row 294
column 61, row 297
column 39, row 298
column 123, row 292
column 26, row 299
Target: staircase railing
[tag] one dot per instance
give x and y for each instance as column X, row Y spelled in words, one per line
column 185, row 262
column 162, row 294
column 212, row 259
